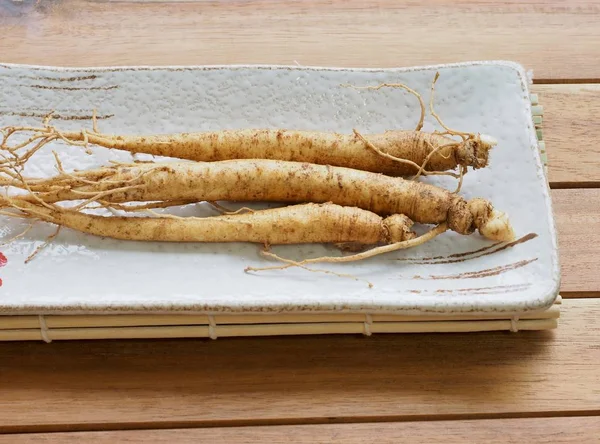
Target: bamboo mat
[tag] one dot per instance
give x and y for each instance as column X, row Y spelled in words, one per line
column 64, row 327
column 50, row 328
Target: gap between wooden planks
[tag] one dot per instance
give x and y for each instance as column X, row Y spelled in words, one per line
column 557, row 39
column 561, row 430
column 184, row 383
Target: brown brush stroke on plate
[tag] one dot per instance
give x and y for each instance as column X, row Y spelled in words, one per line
column 55, row 116
column 521, row 240
column 486, row 253
column 73, row 88
column 60, row 79
column 497, row 287
column 204, row 68
column 483, row 273
column 460, row 257
column 466, row 253
column 486, row 292
column 209, row 68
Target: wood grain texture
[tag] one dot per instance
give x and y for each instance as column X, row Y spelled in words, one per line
column 577, row 214
column 580, row 430
column 558, row 40
column 177, row 383
column 172, row 383
column 571, row 132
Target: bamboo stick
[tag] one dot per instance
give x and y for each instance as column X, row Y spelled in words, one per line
column 538, row 133
column 537, row 110
column 534, row 99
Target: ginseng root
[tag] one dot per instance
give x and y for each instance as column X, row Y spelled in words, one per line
column 394, row 152
column 296, row 224
column 275, row 181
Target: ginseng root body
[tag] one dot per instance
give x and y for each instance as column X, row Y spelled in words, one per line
column 276, row 181
column 369, row 152
column 307, row 223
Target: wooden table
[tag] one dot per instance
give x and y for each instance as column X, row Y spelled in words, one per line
column 492, row 387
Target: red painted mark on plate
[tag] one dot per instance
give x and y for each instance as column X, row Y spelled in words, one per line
column 3, row 262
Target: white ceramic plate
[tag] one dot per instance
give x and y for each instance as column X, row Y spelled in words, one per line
column 451, row 274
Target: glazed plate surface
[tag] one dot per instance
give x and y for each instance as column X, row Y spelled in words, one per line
column 80, row 273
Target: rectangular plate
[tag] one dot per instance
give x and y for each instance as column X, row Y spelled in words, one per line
column 450, row 275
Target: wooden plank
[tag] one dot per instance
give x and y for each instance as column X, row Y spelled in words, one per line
column 571, row 133
column 580, row 430
column 176, row 383
column 578, row 222
column 557, row 39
